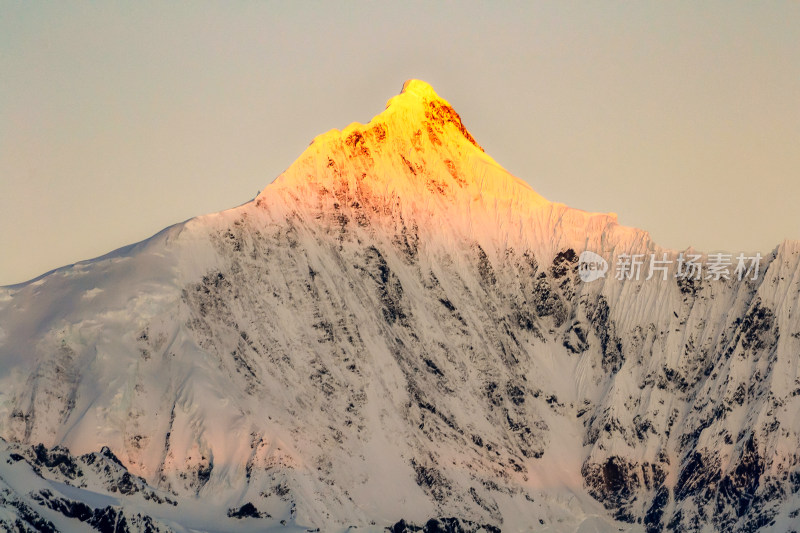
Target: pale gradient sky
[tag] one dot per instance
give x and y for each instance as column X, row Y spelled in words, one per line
column 119, row 119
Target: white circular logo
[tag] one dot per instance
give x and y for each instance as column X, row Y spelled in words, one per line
column 591, row 266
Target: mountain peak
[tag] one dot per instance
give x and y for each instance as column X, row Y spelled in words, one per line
column 418, row 144
column 419, row 89
column 419, row 103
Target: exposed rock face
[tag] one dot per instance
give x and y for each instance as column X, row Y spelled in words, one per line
column 393, row 333
column 52, row 490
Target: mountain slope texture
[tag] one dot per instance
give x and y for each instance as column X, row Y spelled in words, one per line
column 395, row 334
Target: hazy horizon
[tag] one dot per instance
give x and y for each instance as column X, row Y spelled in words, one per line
column 117, row 121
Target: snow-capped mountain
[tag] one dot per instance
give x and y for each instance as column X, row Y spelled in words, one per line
column 395, row 333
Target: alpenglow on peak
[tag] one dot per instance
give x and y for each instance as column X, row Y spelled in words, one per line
column 417, row 149
column 419, row 89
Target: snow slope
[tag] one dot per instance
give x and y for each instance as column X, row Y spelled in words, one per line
column 395, row 329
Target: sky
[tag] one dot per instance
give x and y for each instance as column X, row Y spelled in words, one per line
column 119, row 119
